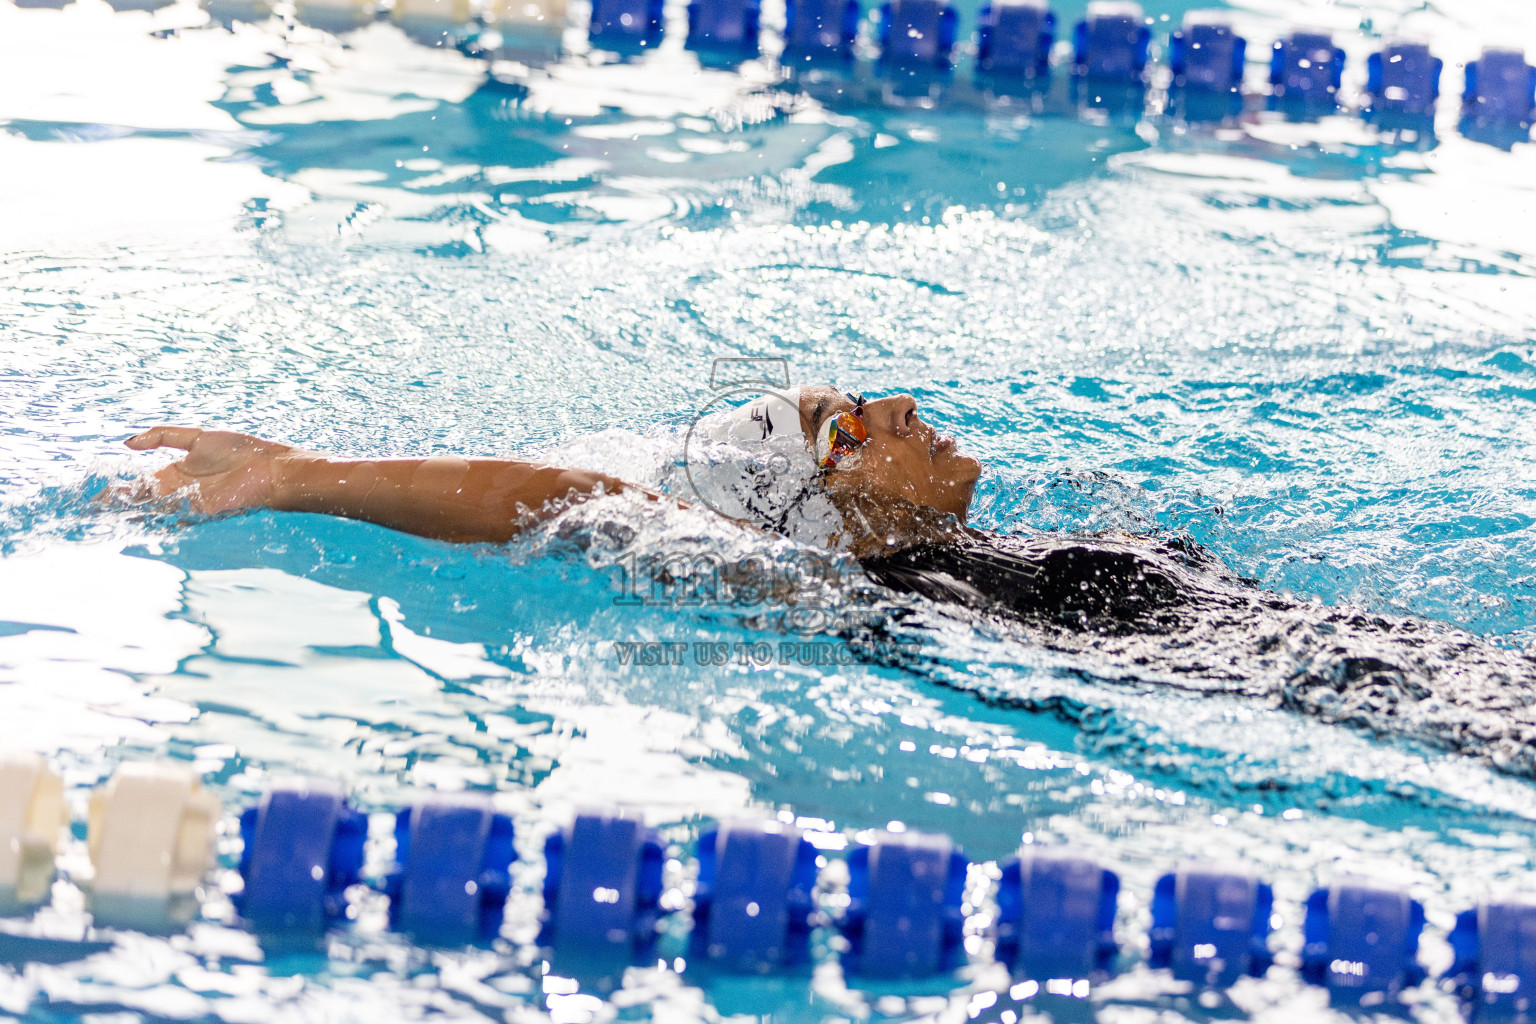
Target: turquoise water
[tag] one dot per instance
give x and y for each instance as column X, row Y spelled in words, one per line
column 1304, row 347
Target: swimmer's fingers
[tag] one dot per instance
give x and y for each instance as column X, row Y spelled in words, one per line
column 222, row 471
column 172, row 479
column 164, row 437
column 131, row 492
column 168, row 480
column 166, row 484
column 208, row 452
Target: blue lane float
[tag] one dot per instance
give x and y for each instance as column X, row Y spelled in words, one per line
column 1404, row 78
column 1207, row 59
column 1495, row 959
column 626, row 26
column 1056, row 915
column 1014, row 41
column 303, row 848
column 906, row 892
column 603, row 885
column 1306, row 70
column 917, row 35
column 1206, row 55
column 1110, row 43
column 150, row 836
column 453, row 858
column 1109, row 63
column 755, row 907
column 1500, row 88
column 1362, row 941
column 724, row 26
column 820, row 31
column 1211, row 923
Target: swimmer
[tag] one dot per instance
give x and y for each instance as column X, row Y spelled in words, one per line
column 1142, row 609
column 885, row 465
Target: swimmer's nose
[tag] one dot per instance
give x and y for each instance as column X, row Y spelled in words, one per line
column 896, row 414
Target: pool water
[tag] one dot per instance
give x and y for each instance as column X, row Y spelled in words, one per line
column 1305, row 346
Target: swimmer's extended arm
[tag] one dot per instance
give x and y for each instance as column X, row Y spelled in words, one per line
column 445, row 498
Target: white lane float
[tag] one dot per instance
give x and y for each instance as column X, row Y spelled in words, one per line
column 151, row 840
column 32, row 815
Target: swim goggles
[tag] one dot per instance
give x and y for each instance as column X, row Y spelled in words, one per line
column 841, row 434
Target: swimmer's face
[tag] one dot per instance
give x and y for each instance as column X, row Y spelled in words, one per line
column 904, row 457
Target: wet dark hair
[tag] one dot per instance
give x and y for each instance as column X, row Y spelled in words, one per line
column 1166, row 612
column 1100, row 586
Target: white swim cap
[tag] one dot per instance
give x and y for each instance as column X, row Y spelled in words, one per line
column 767, row 417
column 752, row 463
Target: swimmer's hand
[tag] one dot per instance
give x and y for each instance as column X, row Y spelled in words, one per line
column 446, row 498
column 222, row 471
